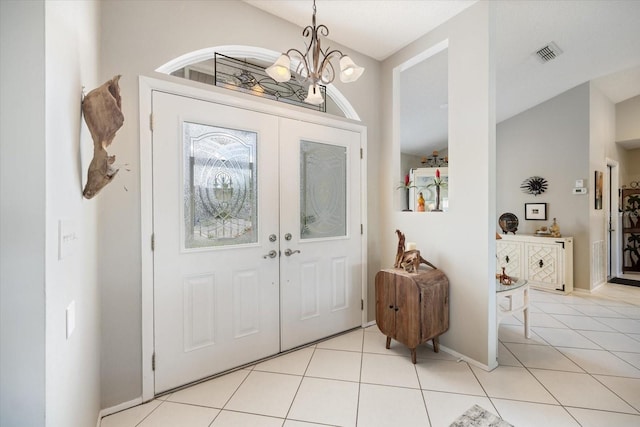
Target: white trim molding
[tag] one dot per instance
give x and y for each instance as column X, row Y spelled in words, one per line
column 118, row 408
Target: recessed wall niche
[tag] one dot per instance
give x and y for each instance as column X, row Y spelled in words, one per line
column 421, row 122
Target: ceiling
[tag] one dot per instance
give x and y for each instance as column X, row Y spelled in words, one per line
column 600, row 40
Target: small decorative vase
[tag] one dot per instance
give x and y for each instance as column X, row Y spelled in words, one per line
column 406, row 201
column 437, row 209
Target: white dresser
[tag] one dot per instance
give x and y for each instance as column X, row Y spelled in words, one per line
column 545, row 262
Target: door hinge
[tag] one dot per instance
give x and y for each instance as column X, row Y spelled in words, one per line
column 151, row 122
column 153, row 362
column 153, row 241
column 361, row 304
column 361, row 229
column 361, row 153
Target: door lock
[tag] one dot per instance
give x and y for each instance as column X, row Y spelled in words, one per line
column 287, row 236
column 272, row 254
column 273, row 238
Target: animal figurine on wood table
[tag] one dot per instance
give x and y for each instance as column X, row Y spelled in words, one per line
column 409, row 260
column 102, row 111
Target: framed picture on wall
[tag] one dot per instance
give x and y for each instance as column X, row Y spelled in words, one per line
column 599, row 178
column 535, row 211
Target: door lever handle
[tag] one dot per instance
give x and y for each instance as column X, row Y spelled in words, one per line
column 289, row 252
column 272, row 254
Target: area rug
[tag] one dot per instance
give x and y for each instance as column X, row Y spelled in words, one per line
column 477, row 416
column 621, row 281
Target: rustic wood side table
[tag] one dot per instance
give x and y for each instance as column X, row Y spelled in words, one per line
column 412, row 308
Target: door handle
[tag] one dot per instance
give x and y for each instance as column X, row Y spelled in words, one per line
column 541, row 264
column 289, row 252
column 272, row 254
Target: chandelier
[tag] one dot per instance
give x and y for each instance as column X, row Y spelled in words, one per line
column 434, row 161
column 314, row 65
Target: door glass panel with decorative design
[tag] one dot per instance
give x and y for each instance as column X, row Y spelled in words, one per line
column 220, row 186
column 323, row 195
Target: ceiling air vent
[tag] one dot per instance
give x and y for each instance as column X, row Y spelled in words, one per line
column 548, row 52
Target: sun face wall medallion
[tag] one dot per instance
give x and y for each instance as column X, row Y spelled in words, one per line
column 534, row 185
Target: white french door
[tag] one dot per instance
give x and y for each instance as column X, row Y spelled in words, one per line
column 256, row 221
column 320, row 285
column 215, row 203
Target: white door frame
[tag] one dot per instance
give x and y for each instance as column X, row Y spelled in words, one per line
column 613, row 250
column 169, row 84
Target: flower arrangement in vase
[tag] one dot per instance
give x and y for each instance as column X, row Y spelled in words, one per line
column 406, row 185
column 438, row 183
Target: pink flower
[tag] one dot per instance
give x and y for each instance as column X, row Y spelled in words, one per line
column 406, row 180
column 437, row 173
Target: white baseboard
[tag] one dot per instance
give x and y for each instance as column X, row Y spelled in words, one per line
column 589, row 291
column 120, row 407
column 467, row 359
column 457, row 355
column 372, row 323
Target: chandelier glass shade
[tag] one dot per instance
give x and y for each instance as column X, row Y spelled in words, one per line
column 314, row 65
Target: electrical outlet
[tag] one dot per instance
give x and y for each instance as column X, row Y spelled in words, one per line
column 71, row 318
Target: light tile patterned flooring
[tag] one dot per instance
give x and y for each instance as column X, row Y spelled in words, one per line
column 581, row 367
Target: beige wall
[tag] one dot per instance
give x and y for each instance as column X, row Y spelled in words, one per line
column 633, row 168
column 22, row 216
column 73, row 364
column 49, row 52
column 550, row 140
column 461, row 242
column 628, row 119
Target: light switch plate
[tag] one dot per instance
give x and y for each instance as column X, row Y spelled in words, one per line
column 71, row 318
column 579, row 191
column 579, row 183
column 67, row 237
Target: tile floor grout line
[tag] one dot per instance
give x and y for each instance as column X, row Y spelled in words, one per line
column 424, row 399
column 147, row 416
column 536, row 378
column 360, row 376
column 603, row 332
column 617, row 395
column 304, row 375
column 585, row 371
column 236, row 390
column 605, row 375
column 540, row 342
column 485, row 390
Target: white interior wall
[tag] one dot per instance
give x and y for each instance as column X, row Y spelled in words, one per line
column 22, row 213
column 550, row 140
column 72, row 365
column 137, row 37
column 460, row 242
